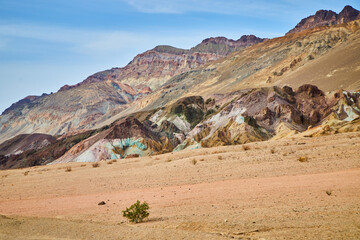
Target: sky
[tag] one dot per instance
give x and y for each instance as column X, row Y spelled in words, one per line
column 45, row 44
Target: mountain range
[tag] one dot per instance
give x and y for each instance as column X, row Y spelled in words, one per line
column 220, row 92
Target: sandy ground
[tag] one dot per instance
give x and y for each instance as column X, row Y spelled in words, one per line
column 264, row 192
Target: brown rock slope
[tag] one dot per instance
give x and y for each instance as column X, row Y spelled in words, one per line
column 223, row 46
column 25, row 142
column 28, row 150
column 327, row 18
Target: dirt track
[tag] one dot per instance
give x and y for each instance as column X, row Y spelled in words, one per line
column 217, row 193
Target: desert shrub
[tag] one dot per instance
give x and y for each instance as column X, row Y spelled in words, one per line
column 220, row 157
column 193, row 161
column 245, row 147
column 137, row 212
column 303, row 159
column 96, row 164
column 68, row 169
column 328, row 192
column 272, row 150
column 26, row 173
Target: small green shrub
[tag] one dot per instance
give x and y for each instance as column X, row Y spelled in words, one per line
column 136, row 212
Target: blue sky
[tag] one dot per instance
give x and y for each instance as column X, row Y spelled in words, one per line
column 45, row 44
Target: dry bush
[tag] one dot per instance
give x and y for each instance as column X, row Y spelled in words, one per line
column 245, row 147
column 68, row 169
column 111, row 161
column 193, row 161
column 328, row 192
column 220, row 157
column 26, row 173
column 168, row 160
column 95, row 165
column 272, row 150
column 303, row 159
column 83, row 165
column 201, row 160
column 217, row 151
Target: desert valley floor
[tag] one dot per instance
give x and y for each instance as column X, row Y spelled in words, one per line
column 253, row 191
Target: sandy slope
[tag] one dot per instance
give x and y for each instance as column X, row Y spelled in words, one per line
column 228, row 193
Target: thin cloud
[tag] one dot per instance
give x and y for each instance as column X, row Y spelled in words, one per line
column 81, row 41
column 243, row 7
column 103, row 42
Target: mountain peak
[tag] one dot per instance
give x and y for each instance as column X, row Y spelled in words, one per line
column 326, row 18
column 224, row 46
column 348, row 8
column 169, row 49
column 348, row 14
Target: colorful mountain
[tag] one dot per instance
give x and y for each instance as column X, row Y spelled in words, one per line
column 220, row 92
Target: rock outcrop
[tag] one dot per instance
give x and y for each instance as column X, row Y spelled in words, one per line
column 22, row 103
column 224, row 119
column 37, row 149
column 25, row 142
column 223, row 46
column 327, row 18
column 155, row 66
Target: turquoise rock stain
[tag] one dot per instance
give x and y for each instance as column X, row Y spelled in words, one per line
column 131, row 146
column 116, row 86
column 240, row 119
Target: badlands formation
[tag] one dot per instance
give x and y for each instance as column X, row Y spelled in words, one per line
column 244, row 139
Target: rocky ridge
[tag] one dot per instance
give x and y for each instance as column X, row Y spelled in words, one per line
column 238, row 117
column 153, row 67
column 223, row 46
column 104, row 94
column 327, row 18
